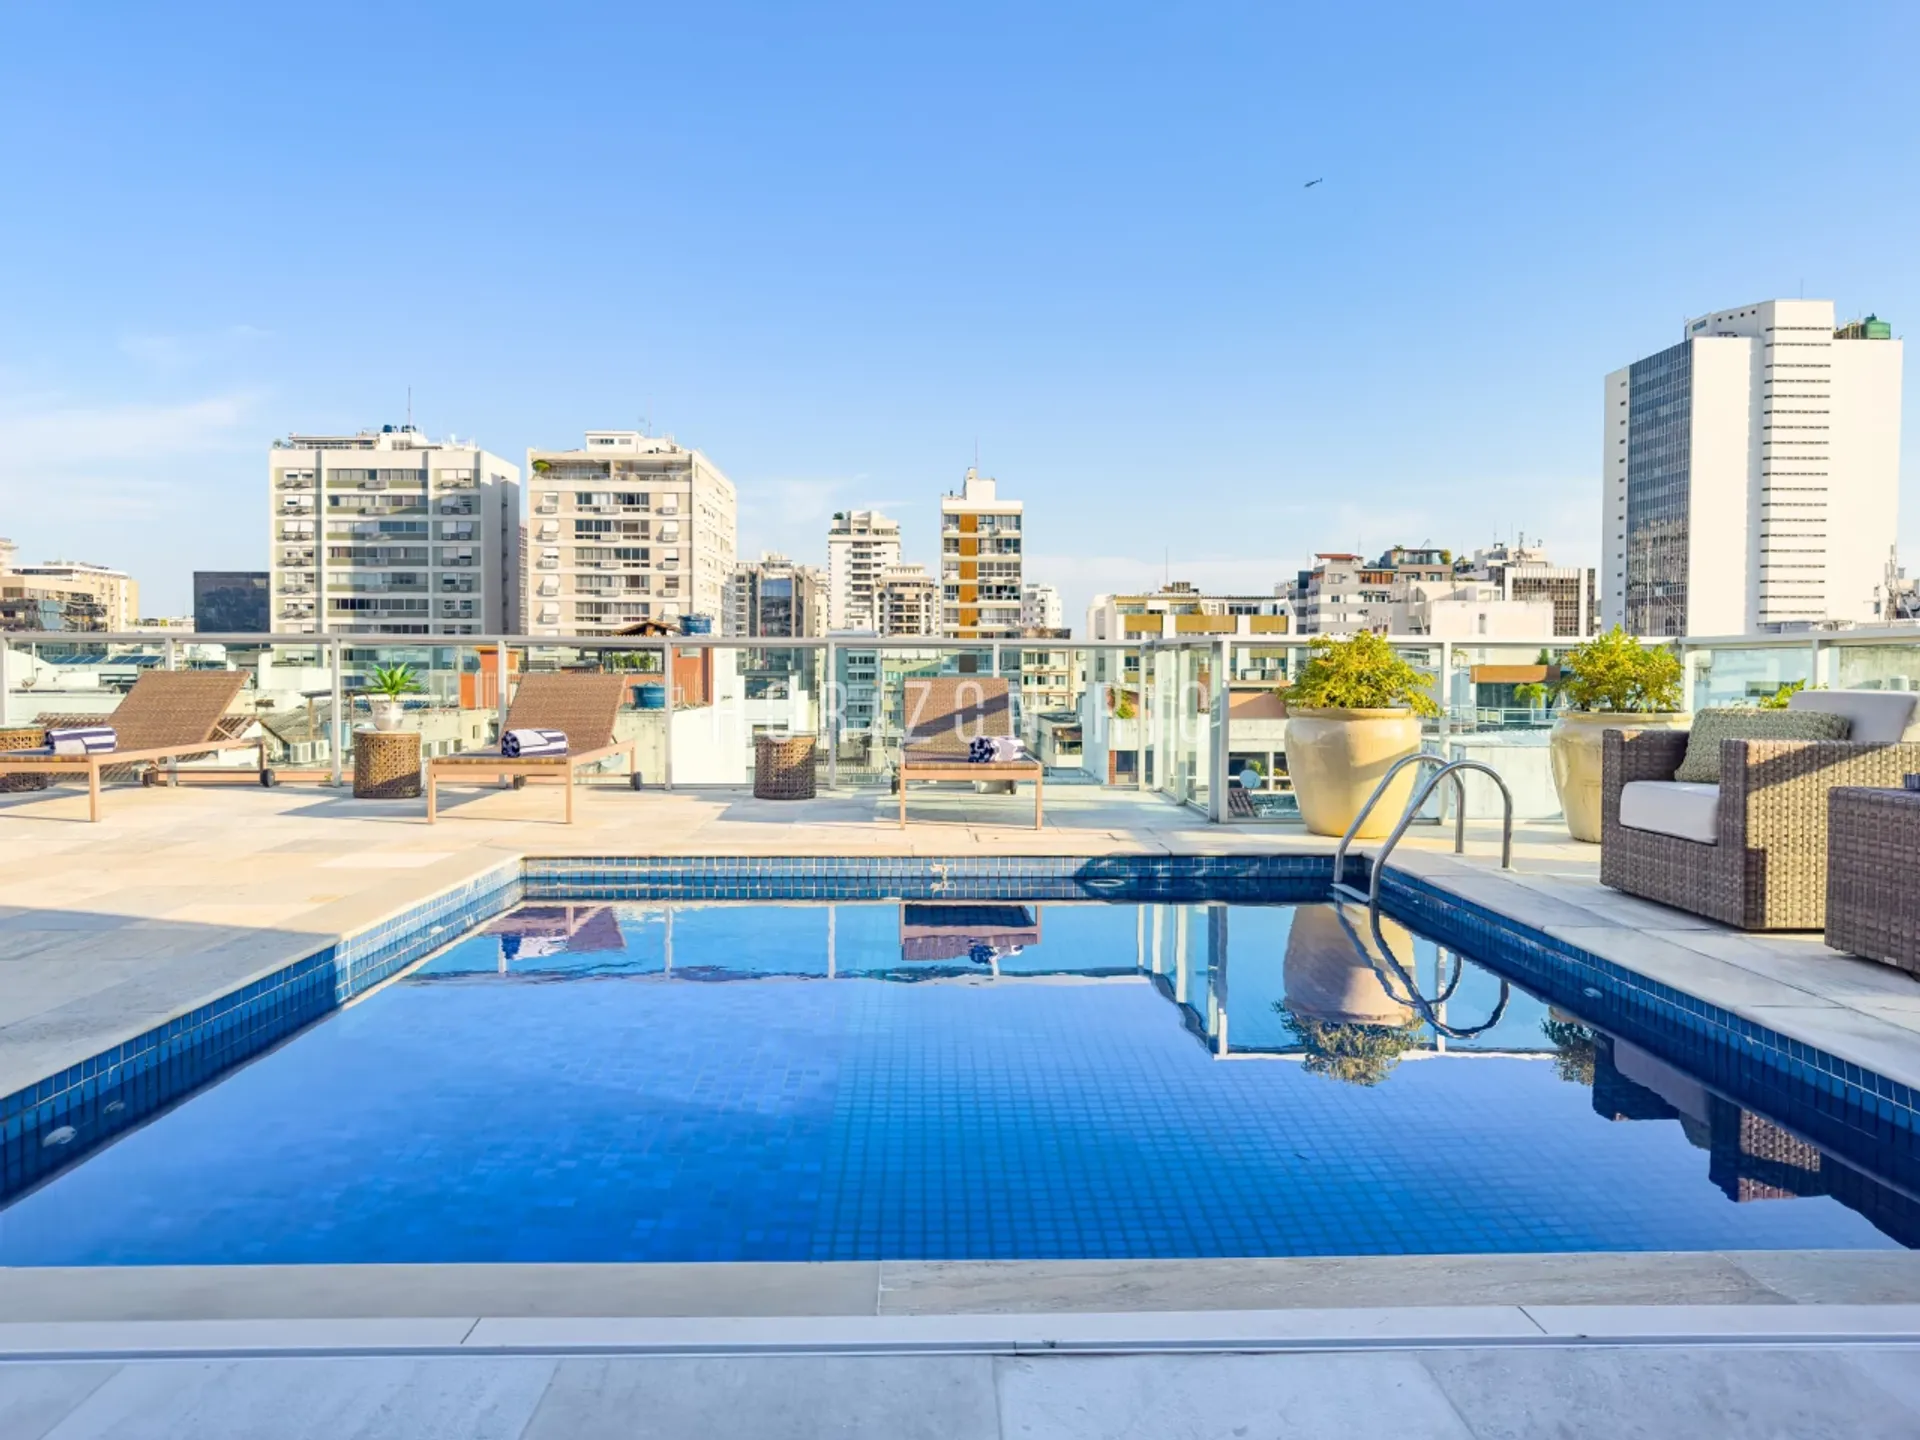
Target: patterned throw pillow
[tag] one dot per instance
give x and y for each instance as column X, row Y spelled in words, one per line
column 1710, row 727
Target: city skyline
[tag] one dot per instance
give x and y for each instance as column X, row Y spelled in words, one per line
column 1406, row 353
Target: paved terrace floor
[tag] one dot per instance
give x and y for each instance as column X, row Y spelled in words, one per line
column 180, row 895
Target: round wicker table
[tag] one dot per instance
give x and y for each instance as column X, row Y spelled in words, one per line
column 783, row 767
column 386, row 765
column 22, row 737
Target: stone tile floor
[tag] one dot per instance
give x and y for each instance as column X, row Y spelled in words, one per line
column 1469, row 1393
column 179, row 895
column 182, row 894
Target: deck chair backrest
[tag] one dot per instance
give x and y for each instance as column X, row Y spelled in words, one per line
column 581, row 704
column 174, row 707
column 946, row 713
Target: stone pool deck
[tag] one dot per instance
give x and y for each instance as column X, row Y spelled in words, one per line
column 181, row 895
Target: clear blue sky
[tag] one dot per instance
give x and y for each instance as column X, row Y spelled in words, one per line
column 834, row 245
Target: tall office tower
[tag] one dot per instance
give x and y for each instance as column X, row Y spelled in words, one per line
column 909, row 601
column 1751, row 474
column 773, row 596
column 860, row 544
column 980, row 562
column 1040, row 607
column 390, row 533
column 629, row 527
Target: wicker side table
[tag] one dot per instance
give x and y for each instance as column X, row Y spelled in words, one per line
column 386, row 765
column 1873, row 866
column 22, row 737
column 783, row 767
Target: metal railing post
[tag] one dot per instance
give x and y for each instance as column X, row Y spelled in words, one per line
column 666, row 669
column 166, row 653
column 1220, row 717
column 6, row 681
column 500, row 684
column 333, row 718
column 830, row 718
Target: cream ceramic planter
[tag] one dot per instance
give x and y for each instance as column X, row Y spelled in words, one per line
column 1574, row 752
column 387, row 714
column 1336, row 757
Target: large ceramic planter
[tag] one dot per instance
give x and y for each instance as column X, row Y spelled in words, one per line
column 1336, row 757
column 1574, row 751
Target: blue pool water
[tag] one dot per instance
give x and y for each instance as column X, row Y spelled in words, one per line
column 980, row 1080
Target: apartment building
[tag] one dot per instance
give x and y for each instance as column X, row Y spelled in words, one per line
column 1462, row 609
column 1040, row 607
column 1339, row 594
column 909, row 601
column 1524, row 573
column 1750, row 474
column 981, row 562
column 774, row 596
column 1052, row 676
column 389, row 533
column 860, row 545
column 76, row 594
column 1181, row 610
column 628, row 527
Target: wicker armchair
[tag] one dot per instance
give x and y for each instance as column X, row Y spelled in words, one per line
column 1767, row 867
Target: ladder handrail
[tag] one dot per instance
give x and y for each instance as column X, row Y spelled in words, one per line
column 1414, row 802
column 1419, row 757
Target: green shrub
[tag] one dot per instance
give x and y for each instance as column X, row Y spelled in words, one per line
column 1615, row 672
column 393, row 681
column 1778, row 700
column 1360, row 673
column 1350, row 1051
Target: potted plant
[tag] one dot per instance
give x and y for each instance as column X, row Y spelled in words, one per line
column 1353, row 710
column 1612, row 682
column 388, row 684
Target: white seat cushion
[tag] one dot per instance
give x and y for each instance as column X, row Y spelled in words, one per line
column 1879, row 717
column 1672, row 807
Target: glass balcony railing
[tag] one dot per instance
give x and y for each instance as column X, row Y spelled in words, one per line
column 1191, row 718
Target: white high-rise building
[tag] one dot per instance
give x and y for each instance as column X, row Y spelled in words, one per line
column 389, row 533
column 981, row 561
column 629, row 527
column 860, row 545
column 1040, row 607
column 1751, row 474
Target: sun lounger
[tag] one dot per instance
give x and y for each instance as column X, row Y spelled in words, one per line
column 581, row 705
column 168, row 715
column 944, row 716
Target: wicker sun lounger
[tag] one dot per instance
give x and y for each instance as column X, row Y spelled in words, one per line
column 944, row 716
column 168, row 715
column 582, row 706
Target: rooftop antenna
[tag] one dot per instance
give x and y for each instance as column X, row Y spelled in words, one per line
column 409, row 407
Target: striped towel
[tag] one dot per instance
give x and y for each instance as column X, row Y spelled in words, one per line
column 81, row 740
column 995, row 750
column 532, row 744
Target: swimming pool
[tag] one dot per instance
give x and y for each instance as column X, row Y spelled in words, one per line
column 990, row 1077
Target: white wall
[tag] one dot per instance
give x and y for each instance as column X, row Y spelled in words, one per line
column 1863, row 506
column 1721, row 586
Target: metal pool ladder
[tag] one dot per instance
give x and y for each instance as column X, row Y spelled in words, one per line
column 1414, row 802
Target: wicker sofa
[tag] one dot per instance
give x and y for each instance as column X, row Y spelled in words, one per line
column 1751, row 851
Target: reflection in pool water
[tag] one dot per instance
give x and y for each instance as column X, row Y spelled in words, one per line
column 968, row 1080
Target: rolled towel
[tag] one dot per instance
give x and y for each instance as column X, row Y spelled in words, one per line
column 532, row 744
column 81, row 739
column 995, row 749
